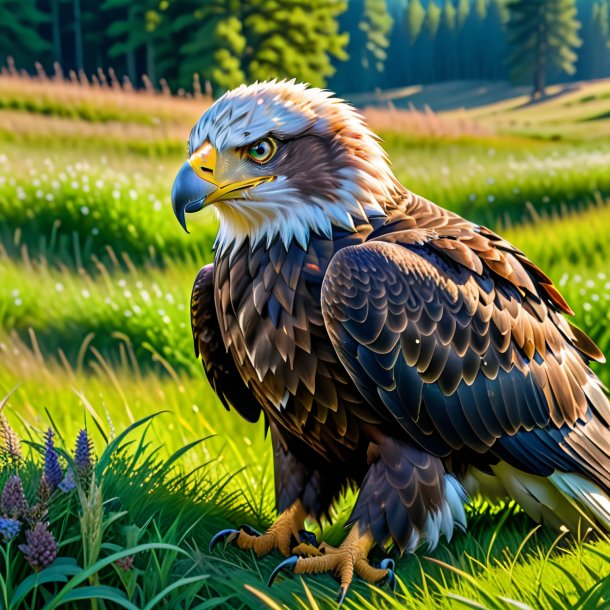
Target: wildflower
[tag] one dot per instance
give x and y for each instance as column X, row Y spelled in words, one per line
column 69, row 482
column 41, row 548
column 126, row 563
column 10, row 440
column 52, row 470
column 9, row 528
column 13, row 502
column 39, row 511
column 83, row 453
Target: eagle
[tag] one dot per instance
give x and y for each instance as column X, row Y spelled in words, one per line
column 388, row 343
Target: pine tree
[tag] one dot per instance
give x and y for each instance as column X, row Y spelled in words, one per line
column 492, row 44
column 376, row 23
column 397, row 69
column 462, row 12
column 602, row 23
column 214, row 42
column 368, row 24
column 416, row 14
column 543, row 35
column 423, row 52
column 19, row 36
column 293, row 38
column 445, row 44
column 468, row 38
column 594, row 55
column 432, row 20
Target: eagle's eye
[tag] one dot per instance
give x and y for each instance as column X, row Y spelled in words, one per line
column 262, row 151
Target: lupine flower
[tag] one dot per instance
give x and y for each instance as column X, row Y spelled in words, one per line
column 83, row 453
column 10, row 440
column 9, row 528
column 69, row 482
column 12, row 501
column 40, row 549
column 52, row 470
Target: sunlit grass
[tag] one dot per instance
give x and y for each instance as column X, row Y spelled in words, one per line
column 502, row 561
column 78, row 209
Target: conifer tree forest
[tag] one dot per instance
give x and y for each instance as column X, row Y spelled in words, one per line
column 350, row 46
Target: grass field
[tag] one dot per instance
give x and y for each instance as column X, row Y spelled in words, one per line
column 94, row 330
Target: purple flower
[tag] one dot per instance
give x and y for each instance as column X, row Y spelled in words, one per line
column 52, row 470
column 40, row 549
column 83, row 453
column 12, row 501
column 69, row 482
column 9, row 528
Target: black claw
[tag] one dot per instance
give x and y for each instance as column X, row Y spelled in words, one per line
column 308, row 538
column 291, row 562
column 248, row 529
column 341, row 595
column 230, row 534
column 390, row 566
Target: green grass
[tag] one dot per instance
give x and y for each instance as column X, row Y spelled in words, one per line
column 501, row 557
column 94, row 330
column 82, row 209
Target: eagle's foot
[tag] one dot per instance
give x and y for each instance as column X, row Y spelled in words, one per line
column 280, row 536
column 342, row 562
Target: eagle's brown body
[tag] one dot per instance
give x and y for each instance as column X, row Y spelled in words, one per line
column 387, row 342
column 270, row 320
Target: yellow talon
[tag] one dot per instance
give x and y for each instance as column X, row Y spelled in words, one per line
column 351, row 557
column 279, row 536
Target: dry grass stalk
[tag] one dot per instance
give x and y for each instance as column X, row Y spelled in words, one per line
column 103, row 94
column 422, row 123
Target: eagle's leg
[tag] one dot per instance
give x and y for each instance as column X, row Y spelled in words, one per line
column 406, row 497
column 300, row 491
column 282, row 535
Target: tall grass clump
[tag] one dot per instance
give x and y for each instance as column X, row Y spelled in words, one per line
column 124, row 527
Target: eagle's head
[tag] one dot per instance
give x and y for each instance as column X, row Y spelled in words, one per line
column 282, row 160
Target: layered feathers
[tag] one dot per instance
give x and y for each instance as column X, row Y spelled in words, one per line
column 395, row 342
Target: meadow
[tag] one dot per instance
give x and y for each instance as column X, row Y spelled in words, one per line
column 95, row 279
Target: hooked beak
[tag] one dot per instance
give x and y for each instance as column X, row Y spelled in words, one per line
column 196, row 186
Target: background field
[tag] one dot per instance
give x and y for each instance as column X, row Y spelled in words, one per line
column 94, row 319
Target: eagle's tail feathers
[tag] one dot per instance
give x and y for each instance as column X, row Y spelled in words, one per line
column 585, row 494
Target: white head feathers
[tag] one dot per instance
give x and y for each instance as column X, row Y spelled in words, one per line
column 298, row 201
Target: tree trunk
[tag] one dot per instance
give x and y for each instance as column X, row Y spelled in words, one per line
column 56, row 31
column 540, row 69
column 150, row 62
column 131, row 66
column 78, row 36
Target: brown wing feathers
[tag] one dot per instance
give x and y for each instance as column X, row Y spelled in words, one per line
column 218, row 365
column 472, row 333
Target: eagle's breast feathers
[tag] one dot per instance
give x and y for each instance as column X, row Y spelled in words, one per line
column 463, row 314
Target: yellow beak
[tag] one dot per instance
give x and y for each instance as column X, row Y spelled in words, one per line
column 196, row 185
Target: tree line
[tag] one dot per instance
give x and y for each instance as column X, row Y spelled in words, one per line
column 348, row 45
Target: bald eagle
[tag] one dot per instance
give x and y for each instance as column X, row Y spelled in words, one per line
column 387, row 342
